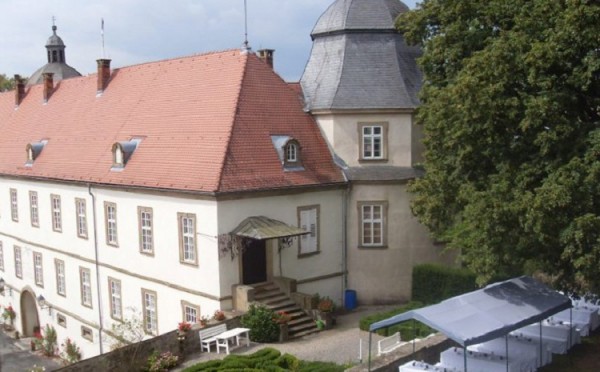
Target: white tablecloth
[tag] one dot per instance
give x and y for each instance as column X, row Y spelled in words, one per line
column 413, row 365
column 524, row 351
column 476, row 361
column 582, row 316
column 555, row 337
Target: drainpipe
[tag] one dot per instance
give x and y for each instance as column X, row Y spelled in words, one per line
column 96, row 260
column 345, row 199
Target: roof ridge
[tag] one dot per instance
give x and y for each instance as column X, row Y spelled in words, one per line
column 234, row 120
column 201, row 54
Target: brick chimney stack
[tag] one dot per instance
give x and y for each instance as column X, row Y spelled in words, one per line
column 48, row 85
column 19, row 90
column 266, row 55
column 103, row 74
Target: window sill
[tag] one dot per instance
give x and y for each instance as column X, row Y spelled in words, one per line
column 310, row 254
column 373, row 247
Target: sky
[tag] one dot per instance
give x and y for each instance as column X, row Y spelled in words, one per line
column 139, row 31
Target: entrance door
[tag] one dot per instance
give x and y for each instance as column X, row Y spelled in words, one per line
column 254, row 262
column 30, row 320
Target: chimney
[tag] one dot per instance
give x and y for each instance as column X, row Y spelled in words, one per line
column 103, row 74
column 48, row 85
column 19, row 90
column 266, row 55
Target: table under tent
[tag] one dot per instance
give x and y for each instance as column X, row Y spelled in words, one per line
column 490, row 314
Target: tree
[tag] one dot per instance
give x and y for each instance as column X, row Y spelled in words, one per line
column 6, row 84
column 511, row 117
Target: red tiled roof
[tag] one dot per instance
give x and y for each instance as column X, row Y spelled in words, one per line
column 205, row 120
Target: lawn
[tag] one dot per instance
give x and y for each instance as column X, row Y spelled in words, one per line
column 581, row 358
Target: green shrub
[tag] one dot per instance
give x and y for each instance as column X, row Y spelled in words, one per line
column 405, row 329
column 320, row 367
column 433, row 283
column 260, row 321
column 288, row 361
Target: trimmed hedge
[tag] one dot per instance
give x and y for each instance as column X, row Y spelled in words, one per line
column 433, row 283
column 405, row 329
column 264, row 360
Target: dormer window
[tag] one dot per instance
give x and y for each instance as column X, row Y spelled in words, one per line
column 289, row 152
column 122, row 152
column 33, row 150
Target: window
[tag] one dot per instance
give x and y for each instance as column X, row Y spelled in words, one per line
column 145, row 230
column 373, row 141
column 110, row 213
column 33, row 209
column 81, row 218
column 87, row 333
column 61, row 284
column 18, row 263
column 308, row 219
column 56, row 214
column 38, row 271
column 86, row 287
column 372, row 224
column 191, row 313
column 61, row 320
column 114, row 287
column 187, row 238
column 291, row 153
column 150, row 316
column 1, row 257
column 14, row 207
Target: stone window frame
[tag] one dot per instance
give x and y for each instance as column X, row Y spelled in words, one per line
column 112, row 297
column 384, row 141
column 81, row 218
column 85, row 292
column 55, row 207
column 384, row 222
column 60, row 279
column 111, row 224
column 87, row 333
column 34, row 209
column 142, row 228
column 18, row 256
column 14, row 205
column 38, row 269
column 299, row 210
column 61, row 320
column 184, row 313
column 153, row 319
column 182, row 238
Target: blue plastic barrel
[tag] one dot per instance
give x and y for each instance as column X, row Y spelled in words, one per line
column 350, row 299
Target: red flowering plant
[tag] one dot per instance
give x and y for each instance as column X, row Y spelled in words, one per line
column 184, row 326
column 219, row 315
column 281, row 317
column 9, row 313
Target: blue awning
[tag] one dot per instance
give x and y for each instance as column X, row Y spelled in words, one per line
column 487, row 313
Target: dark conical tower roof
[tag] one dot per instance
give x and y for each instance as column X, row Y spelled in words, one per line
column 359, row 60
column 57, row 63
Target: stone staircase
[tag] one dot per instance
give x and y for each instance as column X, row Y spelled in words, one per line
column 273, row 298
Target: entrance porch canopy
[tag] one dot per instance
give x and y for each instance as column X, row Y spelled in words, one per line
column 263, row 228
column 487, row 313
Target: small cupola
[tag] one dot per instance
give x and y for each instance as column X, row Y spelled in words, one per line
column 122, row 152
column 289, row 152
column 33, row 150
column 55, row 48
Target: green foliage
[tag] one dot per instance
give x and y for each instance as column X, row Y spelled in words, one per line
column 260, row 321
column 70, row 352
column 129, row 331
column 161, row 362
column 49, row 341
column 267, row 359
column 406, row 329
column 434, row 283
column 6, row 83
column 511, row 118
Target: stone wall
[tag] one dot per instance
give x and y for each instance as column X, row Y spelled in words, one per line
column 134, row 357
column 427, row 350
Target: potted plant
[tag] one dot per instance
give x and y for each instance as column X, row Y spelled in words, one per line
column 282, row 318
column 204, row 321
column 183, row 327
column 326, row 306
column 219, row 315
column 10, row 315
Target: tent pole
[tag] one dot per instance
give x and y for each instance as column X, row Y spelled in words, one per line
column 369, row 364
column 541, row 349
column 506, row 339
column 570, row 327
column 414, row 335
column 465, row 356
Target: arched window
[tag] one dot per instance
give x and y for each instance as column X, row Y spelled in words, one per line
column 291, row 153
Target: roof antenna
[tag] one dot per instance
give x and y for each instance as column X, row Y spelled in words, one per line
column 102, row 34
column 246, row 48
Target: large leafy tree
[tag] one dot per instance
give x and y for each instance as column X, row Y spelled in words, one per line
column 5, row 83
column 511, row 116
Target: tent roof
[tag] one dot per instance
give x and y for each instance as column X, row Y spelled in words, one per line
column 261, row 228
column 487, row 313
